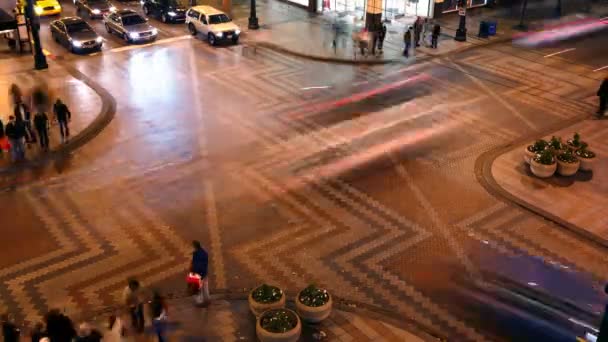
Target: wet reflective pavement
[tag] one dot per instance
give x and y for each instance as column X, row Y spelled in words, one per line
column 360, row 179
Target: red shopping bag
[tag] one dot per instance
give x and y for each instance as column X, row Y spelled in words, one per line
column 5, row 145
column 194, row 282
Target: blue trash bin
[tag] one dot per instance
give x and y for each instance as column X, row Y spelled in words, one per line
column 491, row 28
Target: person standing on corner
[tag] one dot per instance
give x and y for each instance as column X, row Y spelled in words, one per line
column 133, row 300
column 417, row 31
column 407, row 41
column 41, row 122
column 200, row 264
column 15, row 131
column 382, row 36
column 435, row 36
column 602, row 92
column 62, row 115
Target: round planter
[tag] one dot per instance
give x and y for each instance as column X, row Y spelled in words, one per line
column 290, row 336
column 313, row 314
column 258, row 308
column 572, row 147
column 528, row 155
column 567, row 169
column 586, row 163
column 542, row 170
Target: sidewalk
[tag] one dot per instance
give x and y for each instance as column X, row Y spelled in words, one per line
column 578, row 202
column 85, row 103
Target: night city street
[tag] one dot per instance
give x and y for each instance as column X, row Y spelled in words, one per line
column 380, row 182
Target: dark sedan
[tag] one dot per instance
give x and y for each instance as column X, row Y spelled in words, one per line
column 167, row 10
column 75, row 34
column 94, row 8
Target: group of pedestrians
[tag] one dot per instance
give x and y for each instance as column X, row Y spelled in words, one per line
column 414, row 34
column 57, row 327
column 24, row 129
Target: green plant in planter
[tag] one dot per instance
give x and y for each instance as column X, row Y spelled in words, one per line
column 267, row 294
column 567, row 157
column 314, row 296
column 556, row 143
column 545, row 157
column 576, row 141
column 538, row 146
column 583, row 152
column 278, row 320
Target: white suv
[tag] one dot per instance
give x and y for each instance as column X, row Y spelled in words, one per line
column 213, row 23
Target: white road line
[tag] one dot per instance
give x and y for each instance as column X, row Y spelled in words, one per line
column 601, row 68
column 317, row 87
column 559, row 52
column 162, row 41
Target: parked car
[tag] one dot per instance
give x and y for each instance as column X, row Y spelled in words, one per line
column 75, row 34
column 94, row 8
column 167, row 10
column 131, row 26
column 214, row 24
column 46, row 7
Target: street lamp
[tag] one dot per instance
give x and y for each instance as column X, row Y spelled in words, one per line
column 39, row 57
column 461, row 32
column 253, row 19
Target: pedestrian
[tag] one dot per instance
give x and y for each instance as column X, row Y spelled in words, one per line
column 158, row 313
column 602, row 92
column 133, row 300
column 87, row 334
column 116, row 329
column 59, row 327
column 381, row 38
column 15, row 132
column 199, row 265
column 407, row 40
column 62, row 115
column 38, row 332
column 435, row 35
column 22, row 113
column 9, row 329
column 41, row 122
column 2, row 139
column 417, row 31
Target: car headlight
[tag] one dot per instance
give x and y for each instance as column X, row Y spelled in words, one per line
column 38, row 10
column 134, row 35
column 76, row 43
column 237, row 32
column 96, row 11
column 219, row 34
column 99, row 40
column 112, row 9
column 154, row 32
column 172, row 14
column 58, row 7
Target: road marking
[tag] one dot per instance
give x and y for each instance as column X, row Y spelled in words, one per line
column 601, row 68
column 559, row 52
column 317, row 87
column 158, row 42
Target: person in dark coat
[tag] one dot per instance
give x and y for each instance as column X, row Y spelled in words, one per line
column 15, row 132
column 63, row 116
column 87, row 334
column 38, row 332
column 435, row 35
column 407, row 41
column 23, row 115
column 158, row 313
column 41, row 122
column 602, row 92
column 9, row 329
column 417, row 31
column 200, row 264
column 381, row 37
column 1, row 129
column 59, row 327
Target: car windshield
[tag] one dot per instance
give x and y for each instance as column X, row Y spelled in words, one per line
column 178, row 3
column 218, row 19
column 132, row 20
column 80, row 26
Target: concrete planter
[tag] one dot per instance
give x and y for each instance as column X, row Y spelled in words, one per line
column 542, row 170
column 528, row 155
column 289, row 336
column 586, row 163
column 313, row 314
column 258, row 308
column 567, row 169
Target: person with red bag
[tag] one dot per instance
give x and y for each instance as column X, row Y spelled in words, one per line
column 199, row 267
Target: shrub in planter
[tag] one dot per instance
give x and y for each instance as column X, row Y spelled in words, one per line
column 531, row 150
column 575, row 143
column 278, row 325
column 265, row 297
column 543, row 165
column 586, row 157
column 567, row 163
column 556, row 144
column 313, row 304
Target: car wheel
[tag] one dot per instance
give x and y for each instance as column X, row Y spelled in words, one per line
column 164, row 18
column 125, row 36
column 108, row 28
column 211, row 39
column 192, row 29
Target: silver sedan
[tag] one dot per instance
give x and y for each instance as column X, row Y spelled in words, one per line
column 131, row 26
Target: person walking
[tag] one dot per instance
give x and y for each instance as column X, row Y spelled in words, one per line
column 159, row 312
column 435, row 36
column 22, row 114
column 133, row 300
column 10, row 332
column 407, row 40
column 417, row 31
column 199, row 265
column 62, row 115
column 382, row 36
column 15, row 132
column 41, row 122
column 59, row 327
column 602, row 92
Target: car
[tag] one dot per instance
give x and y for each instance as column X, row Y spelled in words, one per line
column 75, row 34
column 47, row 7
column 131, row 26
column 95, row 8
column 167, row 10
column 214, row 24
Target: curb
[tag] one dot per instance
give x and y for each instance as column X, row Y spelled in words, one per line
column 483, row 173
column 103, row 118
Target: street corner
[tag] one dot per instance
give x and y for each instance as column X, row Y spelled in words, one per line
column 567, row 188
column 91, row 108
